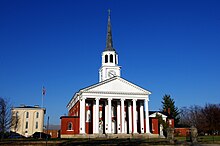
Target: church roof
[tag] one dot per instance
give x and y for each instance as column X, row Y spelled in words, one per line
column 116, row 85
column 111, row 86
column 154, row 113
column 109, row 41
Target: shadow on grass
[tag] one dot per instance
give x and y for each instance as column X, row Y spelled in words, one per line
column 116, row 141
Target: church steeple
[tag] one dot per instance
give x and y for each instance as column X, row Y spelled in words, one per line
column 109, row 66
column 109, row 41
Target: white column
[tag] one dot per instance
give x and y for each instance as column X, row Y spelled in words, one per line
column 134, row 116
column 106, row 117
column 147, row 116
column 109, row 115
column 129, row 117
column 122, row 115
column 94, row 117
column 142, row 116
column 82, row 115
column 118, row 117
column 97, row 115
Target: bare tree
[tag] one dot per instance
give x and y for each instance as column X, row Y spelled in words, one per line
column 14, row 121
column 192, row 116
column 5, row 116
column 205, row 119
column 212, row 118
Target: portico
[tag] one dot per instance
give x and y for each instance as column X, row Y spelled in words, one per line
column 120, row 110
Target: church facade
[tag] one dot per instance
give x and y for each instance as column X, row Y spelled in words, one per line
column 111, row 106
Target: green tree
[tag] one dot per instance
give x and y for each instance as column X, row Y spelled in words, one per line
column 168, row 105
column 163, row 123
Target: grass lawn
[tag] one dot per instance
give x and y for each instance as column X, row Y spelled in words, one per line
column 209, row 138
column 105, row 141
column 202, row 139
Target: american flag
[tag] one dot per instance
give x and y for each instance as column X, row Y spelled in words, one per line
column 43, row 91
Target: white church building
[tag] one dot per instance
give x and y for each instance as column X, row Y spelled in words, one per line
column 112, row 106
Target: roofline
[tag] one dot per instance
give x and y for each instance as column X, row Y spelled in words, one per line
column 69, row 117
column 28, row 108
column 100, row 83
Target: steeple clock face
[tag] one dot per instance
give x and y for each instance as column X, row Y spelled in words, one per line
column 111, row 73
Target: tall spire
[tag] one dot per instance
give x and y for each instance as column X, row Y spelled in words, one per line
column 109, row 42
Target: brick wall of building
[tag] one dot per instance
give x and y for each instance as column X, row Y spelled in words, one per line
column 65, row 120
column 53, row 133
column 154, row 126
column 182, row 131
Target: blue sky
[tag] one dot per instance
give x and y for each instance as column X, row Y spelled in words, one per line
column 167, row 47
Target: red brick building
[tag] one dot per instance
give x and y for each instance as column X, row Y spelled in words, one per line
column 155, row 126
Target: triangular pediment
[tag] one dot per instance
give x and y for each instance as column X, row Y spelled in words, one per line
column 116, row 85
column 153, row 115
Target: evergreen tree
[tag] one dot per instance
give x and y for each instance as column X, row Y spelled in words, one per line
column 168, row 105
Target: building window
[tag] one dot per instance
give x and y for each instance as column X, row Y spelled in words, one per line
column 88, row 116
column 100, row 114
column 70, row 126
column 27, row 115
column 116, row 60
column 36, row 125
column 170, row 122
column 111, row 58
column 26, row 125
column 106, row 58
column 113, row 111
column 37, row 115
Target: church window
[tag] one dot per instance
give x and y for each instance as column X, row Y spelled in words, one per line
column 88, row 116
column 70, row 126
column 106, row 58
column 100, row 114
column 116, row 60
column 111, row 58
column 113, row 111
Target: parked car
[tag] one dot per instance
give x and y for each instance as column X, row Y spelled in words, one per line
column 41, row 135
column 14, row 135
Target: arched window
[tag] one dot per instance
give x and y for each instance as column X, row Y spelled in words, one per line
column 106, row 58
column 70, row 126
column 116, row 59
column 111, row 58
column 37, row 115
column 88, row 116
column 113, row 111
column 27, row 115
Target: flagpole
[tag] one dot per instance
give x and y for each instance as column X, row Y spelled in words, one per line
column 42, row 97
column 43, row 94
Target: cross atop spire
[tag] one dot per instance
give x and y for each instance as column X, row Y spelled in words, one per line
column 109, row 12
column 109, row 42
